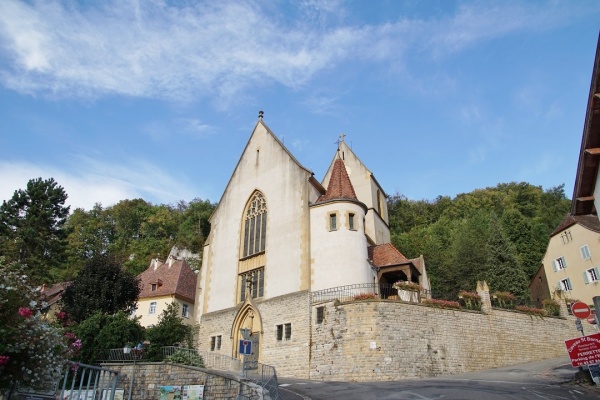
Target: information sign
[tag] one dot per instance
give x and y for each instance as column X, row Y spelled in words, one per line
column 580, row 310
column 584, row 350
column 245, row 347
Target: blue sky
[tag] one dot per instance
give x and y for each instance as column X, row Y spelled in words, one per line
column 157, row 99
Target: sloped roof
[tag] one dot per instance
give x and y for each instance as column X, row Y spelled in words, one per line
column 339, row 187
column 384, row 255
column 589, row 221
column 417, row 264
column 176, row 279
column 589, row 153
column 53, row 293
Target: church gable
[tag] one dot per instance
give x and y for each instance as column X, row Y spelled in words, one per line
column 259, row 225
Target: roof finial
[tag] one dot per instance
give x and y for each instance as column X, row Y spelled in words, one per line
column 260, row 114
column 341, row 139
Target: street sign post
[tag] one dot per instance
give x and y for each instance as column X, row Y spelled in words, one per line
column 584, row 350
column 580, row 310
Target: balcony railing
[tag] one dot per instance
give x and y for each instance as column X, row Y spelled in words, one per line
column 363, row 291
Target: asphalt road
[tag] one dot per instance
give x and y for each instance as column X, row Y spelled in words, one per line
column 552, row 379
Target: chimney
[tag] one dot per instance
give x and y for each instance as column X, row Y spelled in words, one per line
column 171, row 260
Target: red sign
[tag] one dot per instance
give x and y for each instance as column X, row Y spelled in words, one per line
column 580, row 310
column 584, row 350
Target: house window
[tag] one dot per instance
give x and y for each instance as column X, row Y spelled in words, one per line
column 332, row 222
column 213, row 341
column 591, row 275
column 585, row 252
column 566, row 237
column 565, row 285
column 152, row 308
column 279, row 332
column 254, row 281
column 320, row 315
column 184, row 311
column 255, row 226
column 153, row 287
column 351, row 222
column 284, row 332
column 559, row 263
column 288, row 331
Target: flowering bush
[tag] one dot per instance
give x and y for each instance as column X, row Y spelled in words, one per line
column 32, row 351
column 504, row 299
column 407, row 285
column 366, row 296
column 531, row 310
column 441, row 303
column 472, row 300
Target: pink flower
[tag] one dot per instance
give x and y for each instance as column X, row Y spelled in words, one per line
column 4, row 360
column 25, row 312
column 77, row 344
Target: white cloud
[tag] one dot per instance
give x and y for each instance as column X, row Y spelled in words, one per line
column 91, row 181
column 219, row 49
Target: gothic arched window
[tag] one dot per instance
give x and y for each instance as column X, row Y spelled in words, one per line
column 255, row 225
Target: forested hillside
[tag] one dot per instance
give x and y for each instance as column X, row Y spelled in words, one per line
column 498, row 234
column 495, row 234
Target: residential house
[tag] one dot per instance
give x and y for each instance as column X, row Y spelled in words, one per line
column 572, row 259
column 163, row 283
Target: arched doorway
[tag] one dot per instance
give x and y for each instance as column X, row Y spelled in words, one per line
column 247, row 317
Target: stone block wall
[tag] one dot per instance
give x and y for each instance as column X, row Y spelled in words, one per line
column 289, row 357
column 383, row 340
column 150, row 376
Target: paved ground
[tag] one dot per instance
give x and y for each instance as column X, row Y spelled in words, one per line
column 553, row 379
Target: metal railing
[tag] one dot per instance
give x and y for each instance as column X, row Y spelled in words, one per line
column 83, row 382
column 363, row 291
column 265, row 376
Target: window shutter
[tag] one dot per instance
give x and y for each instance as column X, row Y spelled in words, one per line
column 559, row 286
column 554, row 266
column 564, row 262
column 569, row 286
column 597, row 274
column 586, row 279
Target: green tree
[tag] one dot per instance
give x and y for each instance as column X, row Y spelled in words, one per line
column 102, row 285
column 32, row 228
column 101, row 332
column 502, row 270
column 169, row 331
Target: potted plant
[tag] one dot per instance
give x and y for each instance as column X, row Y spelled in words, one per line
column 408, row 291
column 472, row 300
column 505, row 300
column 552, row 307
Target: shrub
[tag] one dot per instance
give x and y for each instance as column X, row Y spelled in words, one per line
column 366, row 296
column 186, row 357
column 505, row 299
column 441, row 303
column 531, row 310
column 407, row 285
column 552, row 307
column 472, row 300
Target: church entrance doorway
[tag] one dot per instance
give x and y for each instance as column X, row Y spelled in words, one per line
column 247, row 318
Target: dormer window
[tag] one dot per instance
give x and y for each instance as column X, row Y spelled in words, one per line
column 153, row 287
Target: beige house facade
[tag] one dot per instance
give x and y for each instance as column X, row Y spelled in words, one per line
column 572, row 260
column 278, row 235
column 163, row 283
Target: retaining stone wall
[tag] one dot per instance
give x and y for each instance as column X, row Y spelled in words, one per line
column 382, row 340
column 149, row 376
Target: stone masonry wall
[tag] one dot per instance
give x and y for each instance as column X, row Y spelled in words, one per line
column 289, row 357
column 382, row 340
column 150, row 376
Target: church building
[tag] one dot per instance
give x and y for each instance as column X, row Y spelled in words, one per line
column 277, row 236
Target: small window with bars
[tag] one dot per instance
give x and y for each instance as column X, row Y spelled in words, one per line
column 351, row 222
column 320, row 315
column 333, row 222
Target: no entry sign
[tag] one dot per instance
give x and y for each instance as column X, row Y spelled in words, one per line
column 584, row 350
column 580, row 310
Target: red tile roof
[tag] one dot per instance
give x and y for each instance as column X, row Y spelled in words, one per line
column 54, row 293
column 385, row 255
column 178, row 279
column 589, row 221
column 339, row 186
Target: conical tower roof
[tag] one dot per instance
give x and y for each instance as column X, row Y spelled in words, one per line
column 340, row 187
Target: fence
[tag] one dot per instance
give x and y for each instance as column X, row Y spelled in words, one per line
column 362, row 290
column 265, row 376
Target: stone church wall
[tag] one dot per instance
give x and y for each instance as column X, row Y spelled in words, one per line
column 380, row 340
column 289, row 357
